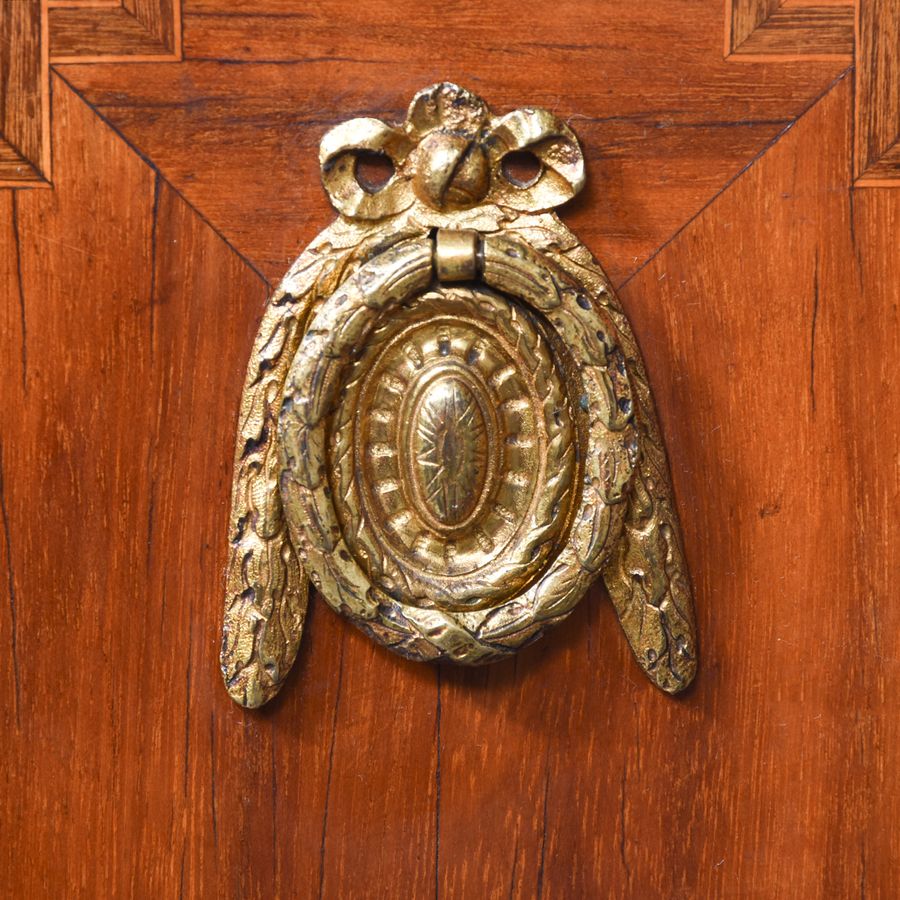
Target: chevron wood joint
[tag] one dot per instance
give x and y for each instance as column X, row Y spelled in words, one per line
column 867, row 33
column 764, row 291
column 35, row 34
column 760, row 30
column 877, row 131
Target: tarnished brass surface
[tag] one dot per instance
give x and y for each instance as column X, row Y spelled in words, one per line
column 456, row 255
column 446, row 424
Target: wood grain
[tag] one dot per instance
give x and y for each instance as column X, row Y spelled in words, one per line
column 767, row 29
column 759, row 30
column 743, row 17
column 876, row 217
column 766, row 303
column 877, row 157
column 24, row 95
column 785, row 620
column 132, row 30
column 64, row 4
column 31, row 31
column 783, row 462
column 665, row 121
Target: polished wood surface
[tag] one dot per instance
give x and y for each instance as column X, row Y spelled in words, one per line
column 764, row 289
column 807, row 29
column 878, row 93
column 131, row 30
column 24, row 96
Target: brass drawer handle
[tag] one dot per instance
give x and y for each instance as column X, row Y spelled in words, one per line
column 446, row 425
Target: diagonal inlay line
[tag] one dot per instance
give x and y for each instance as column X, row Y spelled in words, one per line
column 736, row 176
column 149, row 162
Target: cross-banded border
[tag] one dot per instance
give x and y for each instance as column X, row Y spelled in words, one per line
column 114, row 30
column 37, row 33
column 34, row 34
column 876, row 152
column 761, row 30
column 867, row 32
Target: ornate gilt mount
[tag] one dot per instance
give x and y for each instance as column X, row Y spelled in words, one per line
column 446, row 425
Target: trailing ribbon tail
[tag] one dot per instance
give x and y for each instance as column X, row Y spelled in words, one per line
column 266, row 591
column 647, row 574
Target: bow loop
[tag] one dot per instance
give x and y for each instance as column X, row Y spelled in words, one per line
column 556, row 148
column 339, row 151
column 450, row 154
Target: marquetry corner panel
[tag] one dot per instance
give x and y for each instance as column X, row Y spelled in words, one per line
column 35, row 34
column 877, row 145
column 757, row 30
column 25, row 95
column 108, row 30
column 38, row 34
column 865, row 33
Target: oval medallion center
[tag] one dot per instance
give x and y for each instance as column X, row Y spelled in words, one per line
column 449, row 450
